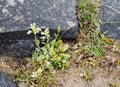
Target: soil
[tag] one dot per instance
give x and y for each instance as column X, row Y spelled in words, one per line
column 100, row 78
column 107, row 75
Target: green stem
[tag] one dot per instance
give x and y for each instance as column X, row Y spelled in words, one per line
column 35, row 36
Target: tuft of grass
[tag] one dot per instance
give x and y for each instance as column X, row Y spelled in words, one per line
column 86, row 14
column 90, row 37
column 94, row 47
column 90, row 28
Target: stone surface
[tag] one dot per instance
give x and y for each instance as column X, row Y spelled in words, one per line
column 5, row 81
column 110, row 17
column 17, row 15
column 19, row 49
column 17, row 44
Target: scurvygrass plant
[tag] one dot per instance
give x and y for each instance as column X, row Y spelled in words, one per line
column 46, row 59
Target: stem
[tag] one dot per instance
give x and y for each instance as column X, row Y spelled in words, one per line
column 35, row 36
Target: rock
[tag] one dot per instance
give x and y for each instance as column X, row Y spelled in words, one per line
column 113, row 30
column 5, row 81
column 19, row 49
column 17, row 15
column 110, row 17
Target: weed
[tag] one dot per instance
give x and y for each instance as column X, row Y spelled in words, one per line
column 90, row 28
column 94, row 47
column 86, row 14
column 91, row 38
column 45, row 60
column 52, row 55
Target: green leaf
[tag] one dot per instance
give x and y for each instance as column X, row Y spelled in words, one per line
column 37, row 42
column 47, row 46
column 37, row 49
column 44, row 49
column 66, row 56
column 53, row 42
column 41, row 57
column 51, row 51
column 61, row 48
column 56, row 36
column 47, row 56
column 96, row 23
column 64, row 61
column 59, row 29
column 58, row 43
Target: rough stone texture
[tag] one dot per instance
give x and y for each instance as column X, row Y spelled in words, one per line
column 5, row 81
column 18, row 46
column 19, row 49
column 110, row 17
column 17, row 15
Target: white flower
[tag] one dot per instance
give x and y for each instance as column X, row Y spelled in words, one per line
column 47, row 30
column 29, row 32
column 32, row 24
column 42, row 33
column 47, row 63
column 33, row 74
column 43, row 38
column 37, row 73
column 39, row 29
column 39, row 70
column 47, row 33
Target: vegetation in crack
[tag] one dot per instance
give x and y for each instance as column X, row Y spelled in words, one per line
column 40, row 70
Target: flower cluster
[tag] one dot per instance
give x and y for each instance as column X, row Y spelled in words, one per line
column 45, row 34
column 37, row 73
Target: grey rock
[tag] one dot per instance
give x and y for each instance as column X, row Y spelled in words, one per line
column 17, row 15
column 5, row 81
column 110, row 17
column 18, row 46
column 113, row 30
column 19, row 49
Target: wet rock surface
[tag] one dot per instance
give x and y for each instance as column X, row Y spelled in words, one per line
column 5, row 81
column 110, row 17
